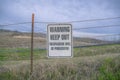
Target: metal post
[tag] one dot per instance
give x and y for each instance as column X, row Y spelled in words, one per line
column 32, row 33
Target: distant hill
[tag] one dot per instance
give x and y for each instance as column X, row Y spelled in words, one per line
column 13, row 39
column 17, row 33
column 88, row 40
column 4, row 30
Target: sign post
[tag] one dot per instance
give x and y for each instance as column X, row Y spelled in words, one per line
column 59, row 38
column 32, row 32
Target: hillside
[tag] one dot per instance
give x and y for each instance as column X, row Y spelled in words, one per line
column 12, row 39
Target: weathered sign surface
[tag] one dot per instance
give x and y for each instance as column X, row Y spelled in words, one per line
column 59, row 38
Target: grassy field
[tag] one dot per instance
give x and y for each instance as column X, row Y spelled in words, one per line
column 90, row 63
column 24, row 53
column 20, row 54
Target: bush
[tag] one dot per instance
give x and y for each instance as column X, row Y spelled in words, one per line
column 110, row 69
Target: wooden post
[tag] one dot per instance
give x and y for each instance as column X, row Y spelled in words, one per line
column 32, row 33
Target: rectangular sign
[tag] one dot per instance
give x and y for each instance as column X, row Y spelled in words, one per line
column 59, row 38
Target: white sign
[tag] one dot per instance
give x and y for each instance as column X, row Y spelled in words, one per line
column 59, row 37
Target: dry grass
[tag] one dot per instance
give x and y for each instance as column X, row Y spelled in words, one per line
column 79, row 68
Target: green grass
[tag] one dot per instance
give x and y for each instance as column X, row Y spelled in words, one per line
column 6, row 76
column 24, row 53
column 20, row 54
column 97, row 50
column 101, row 69
column 110, row 69
column 104, row 65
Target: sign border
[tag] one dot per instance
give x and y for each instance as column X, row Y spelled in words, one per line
column 48, row 43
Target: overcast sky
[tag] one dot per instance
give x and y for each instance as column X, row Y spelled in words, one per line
column 16, row 11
